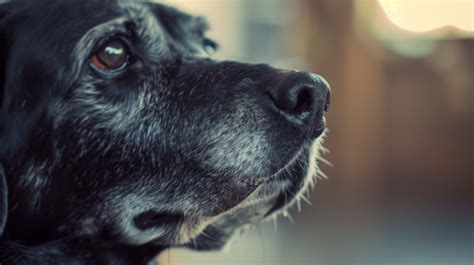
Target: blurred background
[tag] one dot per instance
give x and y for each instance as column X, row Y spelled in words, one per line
column 401, row 128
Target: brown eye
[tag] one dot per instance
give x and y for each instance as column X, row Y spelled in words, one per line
column 111, row 57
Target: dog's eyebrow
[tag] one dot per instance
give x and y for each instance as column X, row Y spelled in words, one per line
column 88, row 41
column 86, row 45
column 141, row 25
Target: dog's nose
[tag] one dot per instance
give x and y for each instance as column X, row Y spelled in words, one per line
column 302, row 98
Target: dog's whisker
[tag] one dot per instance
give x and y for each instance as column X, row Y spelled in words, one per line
column 322, row 174
column 193, row 240
column 288, row 215
column 325, row 161
column 324, row 150
column 303, row 198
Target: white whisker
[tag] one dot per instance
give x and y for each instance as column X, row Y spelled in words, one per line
column 321, row 174
column 324, row 150
column 288, row 215
column 322, row 159
column 302, row 197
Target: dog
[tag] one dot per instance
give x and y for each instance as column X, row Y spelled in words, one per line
column 120, row 136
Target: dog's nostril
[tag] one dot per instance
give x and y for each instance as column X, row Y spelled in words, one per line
column 295, row 99
column 152, row 219
column 302, row 98
column 302, row 101
column 298, row 94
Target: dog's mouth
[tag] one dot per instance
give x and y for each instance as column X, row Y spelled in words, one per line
column 289, row 193
column 274, row 195
column 287, row 185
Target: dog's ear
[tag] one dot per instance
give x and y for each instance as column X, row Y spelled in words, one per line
column 184, row 29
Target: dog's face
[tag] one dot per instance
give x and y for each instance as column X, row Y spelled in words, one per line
column 116, row 126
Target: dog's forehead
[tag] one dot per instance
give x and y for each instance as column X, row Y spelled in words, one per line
column 76, row 17
column 57, row 27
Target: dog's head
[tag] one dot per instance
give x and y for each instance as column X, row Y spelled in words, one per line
column 116, row 126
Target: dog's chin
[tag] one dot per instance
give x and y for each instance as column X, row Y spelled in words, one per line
column 290, row 183
column 274, row 197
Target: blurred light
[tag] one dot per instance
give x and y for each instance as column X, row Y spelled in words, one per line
column 429, row 15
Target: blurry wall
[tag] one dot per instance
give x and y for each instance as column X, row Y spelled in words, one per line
column 401, row 129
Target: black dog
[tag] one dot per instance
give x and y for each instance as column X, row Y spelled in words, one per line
column 119, row 139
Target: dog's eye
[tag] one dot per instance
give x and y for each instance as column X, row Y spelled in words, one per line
column 111, row 57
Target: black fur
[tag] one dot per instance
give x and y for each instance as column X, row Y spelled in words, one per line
column 176, row 150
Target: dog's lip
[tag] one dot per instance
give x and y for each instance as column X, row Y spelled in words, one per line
column 297, row 169
column 278, row 178
column 290, row 164
column 275, row 201
column 285, row 196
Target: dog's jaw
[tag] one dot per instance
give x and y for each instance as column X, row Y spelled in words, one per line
column 192, row 229
column 260, row 205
